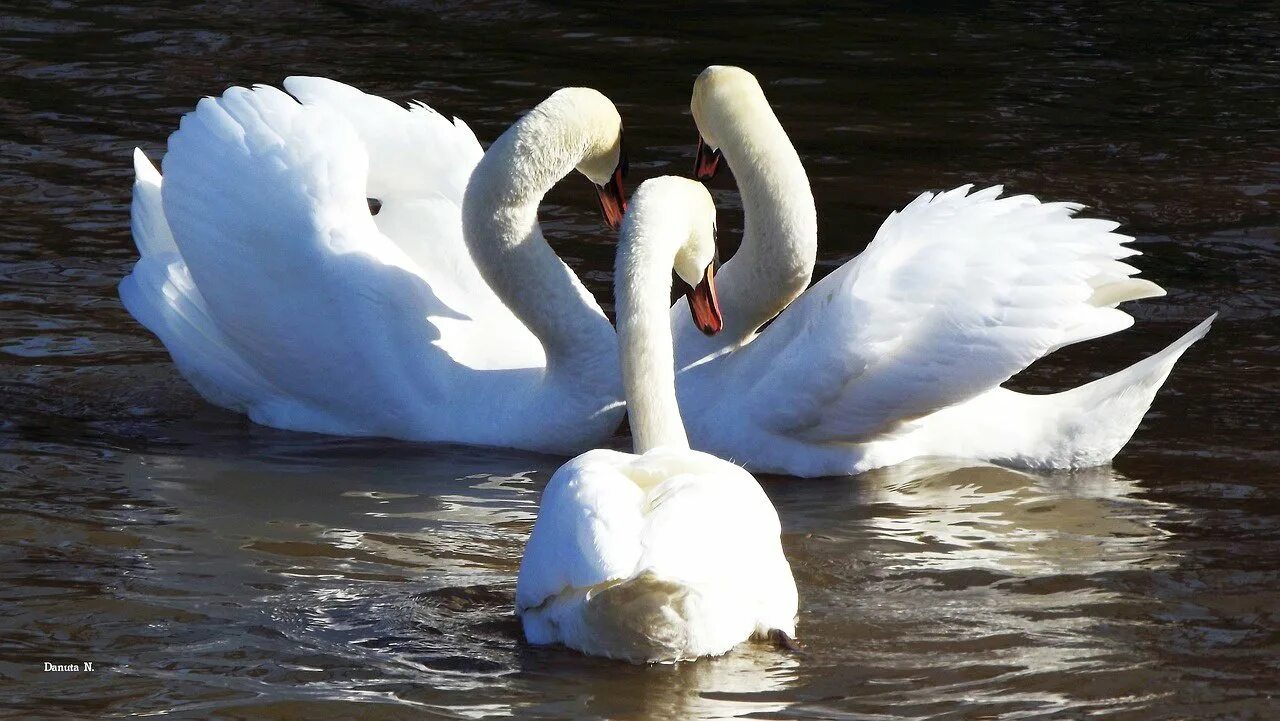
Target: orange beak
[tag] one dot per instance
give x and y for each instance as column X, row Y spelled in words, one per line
column 613, row 199
column 707, row 163
column 705, row 305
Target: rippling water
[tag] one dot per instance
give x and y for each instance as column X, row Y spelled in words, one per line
column 209, row 567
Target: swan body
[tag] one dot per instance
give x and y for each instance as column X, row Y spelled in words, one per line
column 901, row 352
column 278, row 293
column 669, row 553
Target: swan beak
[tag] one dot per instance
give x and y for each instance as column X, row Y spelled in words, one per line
column 613, row 200
column 707, row 162
column 705, row 305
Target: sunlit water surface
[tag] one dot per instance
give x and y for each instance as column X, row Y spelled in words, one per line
column 208, row 567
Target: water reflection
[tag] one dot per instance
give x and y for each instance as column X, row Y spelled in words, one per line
column 975, row 580
column 751, row 680
column 358, row 571
column 341, row 565
column 967, row 515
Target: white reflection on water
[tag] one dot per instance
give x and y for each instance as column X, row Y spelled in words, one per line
column 980, row 582
column 971, row 515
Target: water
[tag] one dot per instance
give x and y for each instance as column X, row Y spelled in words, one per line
column 208, row 567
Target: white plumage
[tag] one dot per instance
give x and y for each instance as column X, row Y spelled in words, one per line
column 900, row 352
column 669, row 553
column 278, row 294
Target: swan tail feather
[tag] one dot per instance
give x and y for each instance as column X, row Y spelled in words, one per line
column 1106, row 412
column 1077, row 428
column 151, row 231
column 643, row 619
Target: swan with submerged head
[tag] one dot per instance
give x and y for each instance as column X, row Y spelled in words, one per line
column 668, row 553
column 901, row 352
column 330, row 261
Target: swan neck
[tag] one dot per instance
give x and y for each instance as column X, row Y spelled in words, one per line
column 501, row 230
column 643, row 289
column 774, row 263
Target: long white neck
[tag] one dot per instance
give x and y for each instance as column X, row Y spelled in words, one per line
column 500, row 225
column 651, row 235
column 774, row 263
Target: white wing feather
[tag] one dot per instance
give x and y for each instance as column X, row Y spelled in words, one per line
column 266, row 199
column 260, row 256
column 419, row 165
column 956, row 294
column 162, row 296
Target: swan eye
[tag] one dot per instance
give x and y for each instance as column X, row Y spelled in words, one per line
column 375, row 205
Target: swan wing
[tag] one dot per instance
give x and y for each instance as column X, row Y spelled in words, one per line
column 162, row 296
column 266, row 200
column 957, row 292
column 419, row 166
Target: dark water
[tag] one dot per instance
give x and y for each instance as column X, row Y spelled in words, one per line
column 211, row 568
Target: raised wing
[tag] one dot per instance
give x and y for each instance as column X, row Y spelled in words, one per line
column 956, row 294
column 419, row 166
column 266, row 199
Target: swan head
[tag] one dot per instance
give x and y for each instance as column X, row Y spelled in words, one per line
column 724, row 97
column 683, row 212
column 591, row 118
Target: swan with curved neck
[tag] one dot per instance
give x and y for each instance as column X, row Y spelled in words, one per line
column 573, row 129
column 669, row 553
column 900, row 353
column 774, row 262
column 329, row 261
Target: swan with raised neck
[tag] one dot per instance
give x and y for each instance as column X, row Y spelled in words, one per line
column 667, row 554
column 824, row 367
column 573, row 129
column 774, row 263
column 671, row 224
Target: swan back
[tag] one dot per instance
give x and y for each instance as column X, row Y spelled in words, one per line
column 664, row 556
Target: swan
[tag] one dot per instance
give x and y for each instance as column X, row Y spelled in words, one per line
column 340, row 264
column 901, row 352
column 668, row 553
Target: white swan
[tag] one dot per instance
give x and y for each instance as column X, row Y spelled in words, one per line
column 279, row 294
column 670, row 553
column 900, row 353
